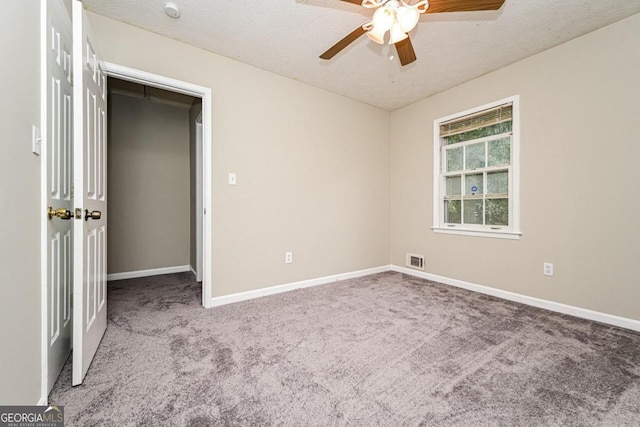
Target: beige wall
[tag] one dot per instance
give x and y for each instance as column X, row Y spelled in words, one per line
column 148, row 185
column 579, row 173
column 21, row 214
column 312, row 166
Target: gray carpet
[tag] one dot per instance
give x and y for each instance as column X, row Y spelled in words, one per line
column 381, row 350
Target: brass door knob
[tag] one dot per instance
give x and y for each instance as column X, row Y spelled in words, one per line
column 92, row 215
column 60, row 213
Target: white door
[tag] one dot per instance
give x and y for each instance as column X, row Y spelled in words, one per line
column 90, row 197
column 57, row 153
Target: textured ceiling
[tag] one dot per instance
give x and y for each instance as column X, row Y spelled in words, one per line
column 287, row 36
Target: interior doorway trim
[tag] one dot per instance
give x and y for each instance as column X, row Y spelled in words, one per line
column 199, row 207
column 173, row 85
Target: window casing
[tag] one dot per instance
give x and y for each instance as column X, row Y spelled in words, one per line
column 476, row 171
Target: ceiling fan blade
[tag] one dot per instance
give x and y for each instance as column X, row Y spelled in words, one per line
column 437, row 6
column 346, row 41
column 354, row 1
column 406, row 54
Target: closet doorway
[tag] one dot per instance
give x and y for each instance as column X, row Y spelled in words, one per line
column 157, row 171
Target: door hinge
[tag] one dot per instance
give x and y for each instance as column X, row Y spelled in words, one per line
column 78, row 213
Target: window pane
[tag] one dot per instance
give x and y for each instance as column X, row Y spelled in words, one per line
column 498, row 182
column 474, row 156
column 452, row 211
column 473, row 212
column 473, row 184
column 454, row 185
column 454, row 159
column 497, row 212
column 500, row 152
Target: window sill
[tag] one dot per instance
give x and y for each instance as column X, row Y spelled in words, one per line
column 512, row 235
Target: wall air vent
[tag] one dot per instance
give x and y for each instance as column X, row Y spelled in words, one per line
column 415, row 261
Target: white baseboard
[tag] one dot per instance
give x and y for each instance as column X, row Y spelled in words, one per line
column 243, row 296
column 193, row 270
column 584, row 313
column 150, row 272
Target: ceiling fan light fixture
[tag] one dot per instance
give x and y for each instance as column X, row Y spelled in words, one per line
column 383, row 19
column 396, row 34
column 407, row 17
column 377, row 35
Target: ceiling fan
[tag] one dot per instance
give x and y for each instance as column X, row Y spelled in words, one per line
column 399, row 17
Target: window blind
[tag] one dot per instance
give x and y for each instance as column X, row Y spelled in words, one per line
column 492, row 116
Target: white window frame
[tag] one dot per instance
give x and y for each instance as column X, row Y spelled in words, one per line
column 512, row 231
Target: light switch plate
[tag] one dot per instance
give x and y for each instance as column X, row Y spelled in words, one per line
column 232, row 179
column 36, row 140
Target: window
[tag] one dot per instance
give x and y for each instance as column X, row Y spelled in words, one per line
column 476, row 171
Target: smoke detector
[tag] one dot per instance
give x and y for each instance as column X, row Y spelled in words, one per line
column 172, row 10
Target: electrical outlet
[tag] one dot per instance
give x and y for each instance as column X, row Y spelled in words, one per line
column 288, row 257
column 547, row 269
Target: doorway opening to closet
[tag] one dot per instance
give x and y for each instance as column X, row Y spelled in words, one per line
column 155, row 181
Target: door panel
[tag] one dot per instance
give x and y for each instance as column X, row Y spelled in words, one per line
column 58, row 150
column 90, row 233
